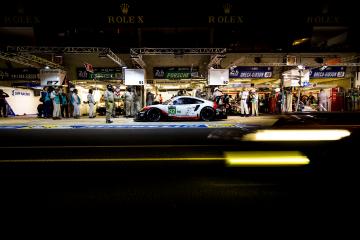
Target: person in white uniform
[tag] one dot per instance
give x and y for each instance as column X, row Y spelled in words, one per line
column 254, row 103
column 217, row 93
column 55, row 97
column 76, row 101
column 322, row 100
column 243, row 103
column 91, row 102
column 129, row 103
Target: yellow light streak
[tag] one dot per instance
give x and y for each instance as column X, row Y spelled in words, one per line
column 266, row 158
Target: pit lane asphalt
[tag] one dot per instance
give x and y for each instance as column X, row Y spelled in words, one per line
column 175, row 186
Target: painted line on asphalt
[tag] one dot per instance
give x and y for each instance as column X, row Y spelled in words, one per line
column 220, row 158
column 13, row 126
column 115, row 146
column 141, row 126
column 152, row 126
column 102, row 126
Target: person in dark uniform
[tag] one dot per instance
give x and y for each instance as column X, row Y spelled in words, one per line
column 149, row 98
column 3, row 110
column 64, row 106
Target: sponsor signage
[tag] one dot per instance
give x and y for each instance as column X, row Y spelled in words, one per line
column 328, row 72
column 20, row 93
column 52, row 77
column 19, row 20
column 175, row 72
column 19, row 74
column 251, row 72
column 21, row 101
column 227, row 18
column 100, row 73
column 125, row 19
column 324, row 20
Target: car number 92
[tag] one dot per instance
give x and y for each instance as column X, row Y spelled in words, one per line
column 172, row 111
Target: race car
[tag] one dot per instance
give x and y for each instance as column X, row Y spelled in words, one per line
column 182, row 108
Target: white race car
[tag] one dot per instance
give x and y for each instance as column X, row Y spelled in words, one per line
column 182, row 108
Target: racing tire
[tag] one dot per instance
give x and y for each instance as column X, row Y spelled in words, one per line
column 153, row 115
column 207, row 114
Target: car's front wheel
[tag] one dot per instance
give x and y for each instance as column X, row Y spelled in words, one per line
column 207, row 114
column 154, row 115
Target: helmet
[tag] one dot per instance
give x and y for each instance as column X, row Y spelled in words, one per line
column 109, row 86
column 216, row 89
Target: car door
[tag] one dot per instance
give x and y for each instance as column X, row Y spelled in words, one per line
column 178, row 108
column 192, row 107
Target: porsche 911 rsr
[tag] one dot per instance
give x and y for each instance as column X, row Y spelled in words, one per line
column 182, row 108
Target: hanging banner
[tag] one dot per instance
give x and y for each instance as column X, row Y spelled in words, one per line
column 52, row 77
column 100, row 74
column 251, row 72
column 19, row 74
column 218, row 77
column 134, row 77
column 328, row 72
column 176, row 72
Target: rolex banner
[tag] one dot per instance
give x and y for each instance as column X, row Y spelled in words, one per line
column 52, row 77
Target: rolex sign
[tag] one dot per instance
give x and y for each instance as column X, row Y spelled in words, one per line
column 52, row 77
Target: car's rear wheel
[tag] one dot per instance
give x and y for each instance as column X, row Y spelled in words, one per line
column 207, row 114
column 154, row 115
